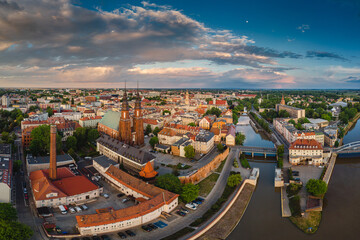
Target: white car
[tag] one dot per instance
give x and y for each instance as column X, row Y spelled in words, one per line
column 72, row 210
column 84, row 207
column 78, row 209
column 195, row 204
column 190, row 206
column 105, row 195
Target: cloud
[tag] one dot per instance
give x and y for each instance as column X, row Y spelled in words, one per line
column 320, row 55
column 352, row 79
column 58, row 42
column 303, row 28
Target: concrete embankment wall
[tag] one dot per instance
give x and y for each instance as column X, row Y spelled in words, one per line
column 205, row 171
column 223, row 213
column 330, row 168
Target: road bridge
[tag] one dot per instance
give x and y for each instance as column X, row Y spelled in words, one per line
column 259, row 150
column 353, row 147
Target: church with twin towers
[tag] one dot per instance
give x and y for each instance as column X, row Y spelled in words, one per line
column 121, row 125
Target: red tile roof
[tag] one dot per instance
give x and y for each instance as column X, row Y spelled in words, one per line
column 306, row 144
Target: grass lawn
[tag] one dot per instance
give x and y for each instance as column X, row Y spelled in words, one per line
column 207, row 184
column 221, row 166
column 310, row 220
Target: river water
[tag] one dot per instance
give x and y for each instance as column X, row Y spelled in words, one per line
column 262, row 219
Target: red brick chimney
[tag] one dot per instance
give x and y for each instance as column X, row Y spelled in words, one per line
column 52, row 167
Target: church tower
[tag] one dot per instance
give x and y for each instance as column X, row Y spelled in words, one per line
column 125, row 122
column 187, row 100
column 138, row 121
column 282, row 100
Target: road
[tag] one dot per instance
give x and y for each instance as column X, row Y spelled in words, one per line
column 25, row 214
column 182, row 222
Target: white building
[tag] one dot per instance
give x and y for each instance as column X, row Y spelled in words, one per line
column 91, row 122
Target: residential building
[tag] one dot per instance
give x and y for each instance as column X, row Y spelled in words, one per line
column 6, row 173
column 90, row 122
column 306, row 151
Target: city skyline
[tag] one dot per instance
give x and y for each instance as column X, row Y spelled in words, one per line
column 179, row 44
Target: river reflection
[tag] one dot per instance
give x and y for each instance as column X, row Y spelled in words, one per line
column 262, row 219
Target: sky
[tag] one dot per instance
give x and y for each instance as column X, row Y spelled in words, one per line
column 180, row 44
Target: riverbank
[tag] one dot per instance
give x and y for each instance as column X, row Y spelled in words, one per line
column 309, row 223
column 223, row 228
column 349, row 125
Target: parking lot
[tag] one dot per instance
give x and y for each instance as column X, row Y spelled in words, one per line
column 67, row 222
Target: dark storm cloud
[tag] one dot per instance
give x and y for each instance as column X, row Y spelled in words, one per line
column 9, row 6
column 320, row 55
column 352, row 79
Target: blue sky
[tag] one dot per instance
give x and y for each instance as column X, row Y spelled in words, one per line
column 180, row 43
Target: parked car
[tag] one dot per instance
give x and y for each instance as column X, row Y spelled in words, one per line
column 121, row 235
column 84, row 207
column 200, row 199
column 25, row 190
column 190, row 206
column 78, row 209
column 26, row 196
column 105, row 195
column 120, row 195
column 130, row 233
column 105, row 237
column 72, row 210
column 184, row 210
column 146, row 228
column 125, row 200
column 297, row 179
column 180, row 213
column 152, row 226
column 296, row 174
column 195, row 203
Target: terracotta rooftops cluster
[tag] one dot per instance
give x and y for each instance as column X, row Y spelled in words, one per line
column 157, row 198
column 306, row 144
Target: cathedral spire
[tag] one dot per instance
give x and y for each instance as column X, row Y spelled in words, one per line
column 125, row 105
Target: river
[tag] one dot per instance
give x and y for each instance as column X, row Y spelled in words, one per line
column 262, row 219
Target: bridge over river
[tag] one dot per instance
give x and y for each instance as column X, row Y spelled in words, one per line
column 353, row 147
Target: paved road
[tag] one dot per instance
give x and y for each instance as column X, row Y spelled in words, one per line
column 25, row 214
column 182, row 222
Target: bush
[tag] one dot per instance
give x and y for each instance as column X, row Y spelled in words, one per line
column 234, row 180
column 294, row 204
column 220, row 147
column 244, row 162
column 235, row 164
column 293, row 189
column 316, row 187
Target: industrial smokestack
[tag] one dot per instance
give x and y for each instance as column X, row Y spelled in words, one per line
column 52, row 168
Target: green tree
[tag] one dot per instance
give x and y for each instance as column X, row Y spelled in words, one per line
column 169, row 182
column 40, row 143
column 156, row 131
column 239, row 139
column 213, row 111
column 326, row 117
column 153, row 141
column 81, row 137
column 192, row 124
column 10, row 228
column 189, row 151
column 7, row 212
column 71, row 142
column 72, row 101
column 235, row 118
column 220, row 147
column 234, row 180
column 5, row 136
column 50, row 111
column 148, row 129
column 189, row 192
column 337, row 143
column 92, row 135
column 316, row 187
